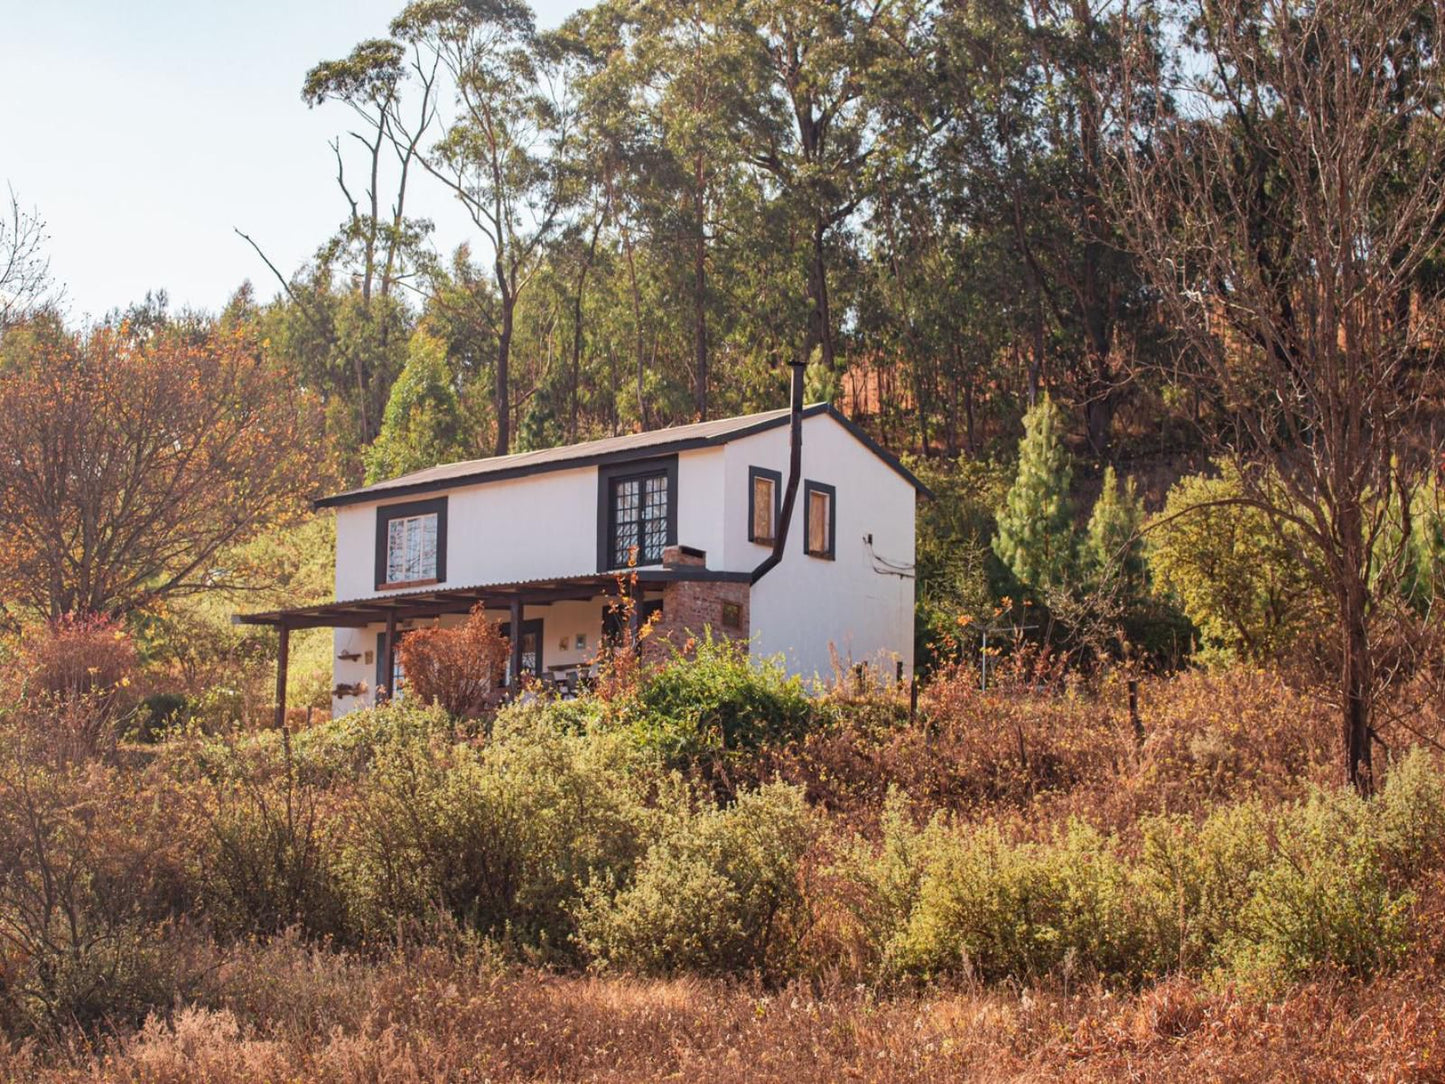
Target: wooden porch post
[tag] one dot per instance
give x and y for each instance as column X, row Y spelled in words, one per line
column 389, row 662
column 283, row 660
column 516, row 646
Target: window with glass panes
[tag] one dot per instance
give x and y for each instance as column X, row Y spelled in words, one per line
column 395, row 682
column 639, row 518
column 411, row 549
column 411, row 543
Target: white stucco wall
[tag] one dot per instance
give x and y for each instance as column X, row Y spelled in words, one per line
column 806, row 604
column 538, row 527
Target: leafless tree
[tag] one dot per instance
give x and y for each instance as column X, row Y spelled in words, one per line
column 1287, row 213
column 25, row 282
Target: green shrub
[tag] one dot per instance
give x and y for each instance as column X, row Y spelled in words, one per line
column 340, row 750
column 884, row 883
column 718, row 891
column 718, row 702
column 1410, row 816
column 1249, row 893
column 1192, row 881
column 1324, row 899
column 994, row 909
column 500, row 835
column 159, row 714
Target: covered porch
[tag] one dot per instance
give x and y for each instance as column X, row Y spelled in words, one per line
column 583, row 609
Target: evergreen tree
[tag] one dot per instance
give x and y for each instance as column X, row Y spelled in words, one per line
column 422, row 425
column 1035, row 529
column 1112, row 546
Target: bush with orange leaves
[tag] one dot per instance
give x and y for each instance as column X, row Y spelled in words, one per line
column 460, row 668
column 75, row 679
column 77, row 656
column 1041, row 747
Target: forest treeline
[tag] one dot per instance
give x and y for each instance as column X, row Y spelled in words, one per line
column 669, row 201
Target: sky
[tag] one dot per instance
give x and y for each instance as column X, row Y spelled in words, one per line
column 146, row 132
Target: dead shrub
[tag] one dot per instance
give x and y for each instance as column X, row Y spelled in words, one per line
column 268, row 859
column 459, row 668
column 94, row 894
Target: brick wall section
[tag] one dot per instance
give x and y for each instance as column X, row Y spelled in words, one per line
column 689, row 607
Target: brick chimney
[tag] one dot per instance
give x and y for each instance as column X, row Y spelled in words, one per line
column 684, row 557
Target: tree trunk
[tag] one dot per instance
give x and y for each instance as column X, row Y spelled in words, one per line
column 501, row 391
column 576, row 374
column 1035, row 371
column 636, row 325
column 968, row 412
column 1357, row 687
column 1099, row 410
column 921, row 397
column 1099, row 389
column 820, row 320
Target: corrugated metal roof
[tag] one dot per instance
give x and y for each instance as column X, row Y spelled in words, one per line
column 675, row 438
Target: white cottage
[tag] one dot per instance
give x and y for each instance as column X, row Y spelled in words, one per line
column 791, row 529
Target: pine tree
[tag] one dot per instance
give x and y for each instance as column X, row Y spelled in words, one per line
column 1112, row 547
column 422, row 425
column 1036, row 536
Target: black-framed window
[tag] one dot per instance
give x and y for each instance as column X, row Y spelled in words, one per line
column 637, row 512
column 820, row 520
column 411, row 542
column 765, row 501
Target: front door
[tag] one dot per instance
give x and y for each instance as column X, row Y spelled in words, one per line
column 531, row 647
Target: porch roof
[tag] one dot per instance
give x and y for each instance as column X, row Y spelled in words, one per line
column 435, row 601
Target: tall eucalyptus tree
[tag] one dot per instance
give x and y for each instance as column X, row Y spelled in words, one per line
column 501, row 138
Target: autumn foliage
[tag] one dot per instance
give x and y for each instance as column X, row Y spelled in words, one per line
column 1010, row 877
column 460, row 668
column 130, row 458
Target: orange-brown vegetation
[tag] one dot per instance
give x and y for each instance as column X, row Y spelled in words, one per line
column 460, row 668
column 1011, row 885
column 283, row 1012
column 1060, row 751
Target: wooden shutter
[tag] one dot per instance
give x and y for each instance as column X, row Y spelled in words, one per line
column 818, row 522
column 763, row 501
